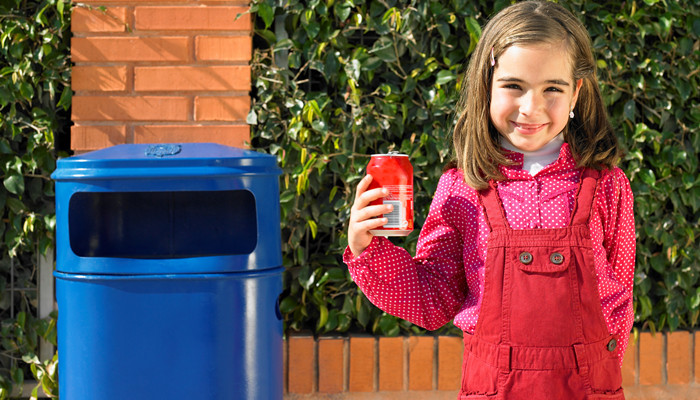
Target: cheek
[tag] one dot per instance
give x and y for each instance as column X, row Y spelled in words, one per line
column 558, row 106
column 499, row 105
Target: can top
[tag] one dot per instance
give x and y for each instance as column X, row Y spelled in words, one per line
column 390, row 154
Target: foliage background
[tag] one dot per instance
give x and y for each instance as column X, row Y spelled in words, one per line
column 337, row 80
column 34, row 98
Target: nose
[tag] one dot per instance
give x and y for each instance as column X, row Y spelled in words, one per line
column 531, row 103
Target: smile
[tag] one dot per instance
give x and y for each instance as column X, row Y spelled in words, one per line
column 528, row 129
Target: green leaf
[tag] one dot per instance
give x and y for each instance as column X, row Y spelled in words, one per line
column 630, row 110
column 342, row 10
column 384, row 49
column 14, row 183
column 266, row 13
column 288, row 305
column 66, row 98
column 648, row 176
column 445, row 76
column 322, row 318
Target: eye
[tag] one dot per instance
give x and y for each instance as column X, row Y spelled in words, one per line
column 554, row 89
column 511, row 86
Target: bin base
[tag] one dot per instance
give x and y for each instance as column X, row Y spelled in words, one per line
column 198, row 336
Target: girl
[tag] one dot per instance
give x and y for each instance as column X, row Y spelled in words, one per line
column 529, row 243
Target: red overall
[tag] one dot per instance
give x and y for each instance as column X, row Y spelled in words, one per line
column 541, row 332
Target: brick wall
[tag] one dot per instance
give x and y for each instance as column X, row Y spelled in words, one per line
column 160, row 71
column 659, row 367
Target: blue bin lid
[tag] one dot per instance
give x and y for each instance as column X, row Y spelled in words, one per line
column 165, row 160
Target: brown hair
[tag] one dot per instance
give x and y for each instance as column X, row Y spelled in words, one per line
column 589, row 134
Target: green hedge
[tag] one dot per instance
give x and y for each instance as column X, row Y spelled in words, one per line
column 34, row 98
column 338, row 80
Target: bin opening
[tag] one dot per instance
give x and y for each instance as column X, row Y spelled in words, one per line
column 175, row 224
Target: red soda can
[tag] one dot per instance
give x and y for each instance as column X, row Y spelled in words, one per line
column 394, row 172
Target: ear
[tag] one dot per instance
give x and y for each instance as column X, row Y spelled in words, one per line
column 579, row 83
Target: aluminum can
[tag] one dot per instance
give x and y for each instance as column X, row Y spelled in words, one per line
column 394, row 172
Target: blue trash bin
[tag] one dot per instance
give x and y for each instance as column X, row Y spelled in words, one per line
column 168, row 273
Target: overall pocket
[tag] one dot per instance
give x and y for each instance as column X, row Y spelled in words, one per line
column 478, row 377
column 605, row 378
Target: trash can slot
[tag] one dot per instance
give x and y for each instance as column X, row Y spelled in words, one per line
column 175, row 224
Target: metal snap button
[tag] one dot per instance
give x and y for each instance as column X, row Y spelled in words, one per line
column 525, row 257
column 556, row 258
column 612, row 345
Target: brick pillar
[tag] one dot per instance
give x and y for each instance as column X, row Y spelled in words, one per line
column 150, row 73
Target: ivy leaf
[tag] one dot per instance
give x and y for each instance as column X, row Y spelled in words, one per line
column 648, row 176
column 629, row 110
column 252, row 117
column 323, row 317
column 444, row 76
column 14, row 183
column 266, row 13
column 288, row 304
column 66, row 98
column 342, row 10
column 384, row 49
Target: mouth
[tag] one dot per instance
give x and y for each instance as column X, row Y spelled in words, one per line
column 528, row 129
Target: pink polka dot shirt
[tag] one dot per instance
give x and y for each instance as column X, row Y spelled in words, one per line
column 445, row 280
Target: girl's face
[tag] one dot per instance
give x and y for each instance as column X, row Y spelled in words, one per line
column 532, row 94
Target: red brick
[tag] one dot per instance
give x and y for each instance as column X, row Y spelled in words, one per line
column 112, row 19
column 212, row 78
column 100, row 2
column 362, row 364
column 229, row 135
column 130, row 49
column 697, row 356
column 104, row 79
column 420, row 362
column 221, row 108
column 629, row 371
column 207, row 18
column 301, row 364
column 241, row 2
column 450, row 353
column 390, row 363
column 650, row 353
column 88, row 138
column 330, row 365
column 126, row 108
column 224, row 48
column 285, row 366
column 678, row 358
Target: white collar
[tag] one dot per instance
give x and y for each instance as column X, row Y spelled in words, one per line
column 535, row 161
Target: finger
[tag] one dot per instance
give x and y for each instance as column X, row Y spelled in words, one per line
column 374, row 223
column 369, row 196
column 363, row 185
column 371, row 212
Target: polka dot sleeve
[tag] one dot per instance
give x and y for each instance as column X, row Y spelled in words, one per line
column 429, row 289
column 613, row 234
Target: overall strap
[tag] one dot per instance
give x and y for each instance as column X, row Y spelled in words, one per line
column 493, row 209
column 585, row 196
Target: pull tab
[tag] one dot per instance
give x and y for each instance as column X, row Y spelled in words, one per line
column 162, row 150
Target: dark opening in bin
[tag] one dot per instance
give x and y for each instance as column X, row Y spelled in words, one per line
column 162, row 224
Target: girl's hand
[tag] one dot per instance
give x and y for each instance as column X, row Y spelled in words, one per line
column 362, row 215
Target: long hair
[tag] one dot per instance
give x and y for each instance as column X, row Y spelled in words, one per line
column 589, row 134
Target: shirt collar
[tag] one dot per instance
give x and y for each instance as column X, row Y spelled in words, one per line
column 564, row 162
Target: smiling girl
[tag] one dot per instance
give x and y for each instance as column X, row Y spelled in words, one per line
column 529, row 243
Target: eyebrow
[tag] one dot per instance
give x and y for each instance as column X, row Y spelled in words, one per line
column 550, row 81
